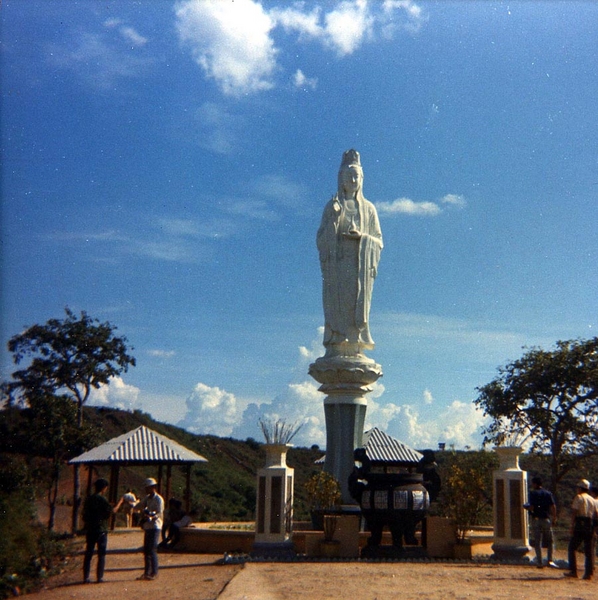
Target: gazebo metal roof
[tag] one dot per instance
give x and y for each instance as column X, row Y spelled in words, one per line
column 139, row 446
column 380, row 447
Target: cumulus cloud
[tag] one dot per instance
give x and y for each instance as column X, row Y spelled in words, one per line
column 457, row 424
column 216, row 411
column 211, row 410
column 406, row 206
column 421, row 423
column 117, row 394
column 348, row 25
column 232, row 42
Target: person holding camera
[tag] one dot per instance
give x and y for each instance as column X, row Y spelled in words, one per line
column 152, row 515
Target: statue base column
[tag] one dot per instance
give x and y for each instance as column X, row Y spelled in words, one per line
column 346, row 380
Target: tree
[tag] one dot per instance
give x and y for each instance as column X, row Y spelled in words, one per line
column 55, row 437
column 68, row 358
column 550, row 398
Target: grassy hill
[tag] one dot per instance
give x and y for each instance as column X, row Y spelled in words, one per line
column 223, row 489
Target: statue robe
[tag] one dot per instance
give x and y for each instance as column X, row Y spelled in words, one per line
column 349, row 267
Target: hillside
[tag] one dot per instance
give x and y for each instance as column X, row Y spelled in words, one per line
column 223, row 489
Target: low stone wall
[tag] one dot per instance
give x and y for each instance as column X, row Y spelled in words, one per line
column 441, row 540
column 215, row 541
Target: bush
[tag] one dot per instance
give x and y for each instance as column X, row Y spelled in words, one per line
column 466, row 494
column 28, row 552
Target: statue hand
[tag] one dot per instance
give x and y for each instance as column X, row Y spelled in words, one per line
column 353, row 234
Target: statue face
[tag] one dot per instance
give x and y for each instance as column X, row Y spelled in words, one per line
column 351, row 180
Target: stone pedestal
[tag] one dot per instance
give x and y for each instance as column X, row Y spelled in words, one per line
column 274, row 517
column 511, row 530
column 346, row 380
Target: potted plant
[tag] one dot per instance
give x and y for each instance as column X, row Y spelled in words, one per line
column 466, row 495
column 324, row 495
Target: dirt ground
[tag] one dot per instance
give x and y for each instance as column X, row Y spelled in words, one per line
column 198, row 576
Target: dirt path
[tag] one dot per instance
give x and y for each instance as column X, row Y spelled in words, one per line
column 404, row 581
column 197, row 576
column 182, row 576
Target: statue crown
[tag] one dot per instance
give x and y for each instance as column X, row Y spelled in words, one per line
column 350, row 157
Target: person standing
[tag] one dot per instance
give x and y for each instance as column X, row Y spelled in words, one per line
column 130, row 504
column 96, row 512
column 583, row 514
column 152, row 516
column 543, row 513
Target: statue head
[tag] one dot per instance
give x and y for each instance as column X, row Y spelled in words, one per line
column 350, row 175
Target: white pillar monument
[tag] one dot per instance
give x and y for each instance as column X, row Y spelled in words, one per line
column 349, row 242
column 274, row 513
column 511, row 530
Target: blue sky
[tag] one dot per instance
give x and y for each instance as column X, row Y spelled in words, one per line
column 165, row 166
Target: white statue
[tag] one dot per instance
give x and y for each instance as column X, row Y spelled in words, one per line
column 349, row 242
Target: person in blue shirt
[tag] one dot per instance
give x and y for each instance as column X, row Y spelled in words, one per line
column 542, row 510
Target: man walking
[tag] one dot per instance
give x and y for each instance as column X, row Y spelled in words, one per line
column 152, row 515
column 543, row 512
column 96, row 512
column 583, row 513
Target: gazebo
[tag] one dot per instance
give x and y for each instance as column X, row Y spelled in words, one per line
column 141, row 446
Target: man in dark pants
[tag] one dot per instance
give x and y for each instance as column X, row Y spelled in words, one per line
column 583, row 513
column 543, row 512
column 152, row 514
column 96, row 512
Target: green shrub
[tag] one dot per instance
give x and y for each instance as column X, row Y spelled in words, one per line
column 28, row 552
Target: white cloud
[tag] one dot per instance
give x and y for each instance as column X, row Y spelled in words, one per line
column 427, row 397
column 307, row 24
column 253, row 208
column 211, row 410
column 117, row 394
column 420, row 426
column 131, row 36
column 413, row 16
column 456, row 200
column 162, row 353
column 348, row 25
column 99, row 61
column 409, row 207
column 303, row 82
column 217, row 128
column 230, row 41
column 406, row 206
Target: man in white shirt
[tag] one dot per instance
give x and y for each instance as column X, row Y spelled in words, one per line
column 152, row 515
column 583, row 513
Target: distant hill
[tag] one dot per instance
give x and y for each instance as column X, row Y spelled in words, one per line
column 223, row 489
